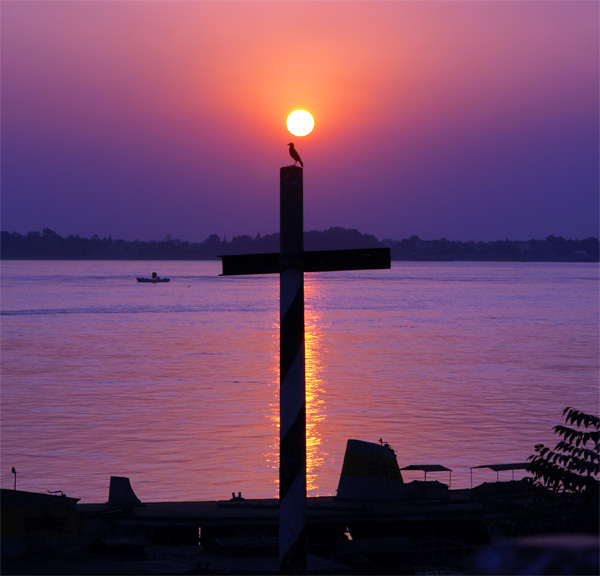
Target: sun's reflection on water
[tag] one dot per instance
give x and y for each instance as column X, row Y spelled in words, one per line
column 315, row 403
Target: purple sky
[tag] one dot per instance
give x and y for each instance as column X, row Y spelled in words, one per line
column 464, row 120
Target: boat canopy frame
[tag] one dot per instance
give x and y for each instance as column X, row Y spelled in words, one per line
column 429, row 468
column 497, row 468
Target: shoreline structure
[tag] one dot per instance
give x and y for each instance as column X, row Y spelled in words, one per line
column 375, row 524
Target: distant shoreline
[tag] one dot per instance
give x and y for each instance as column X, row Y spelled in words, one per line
column 48, row 245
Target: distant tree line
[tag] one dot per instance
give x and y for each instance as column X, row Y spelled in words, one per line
column 552, row 249
column 48, row 245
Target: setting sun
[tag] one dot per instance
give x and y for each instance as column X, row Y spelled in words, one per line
column 300, row 123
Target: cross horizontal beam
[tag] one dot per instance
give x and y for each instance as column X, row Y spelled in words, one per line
column 313, row 261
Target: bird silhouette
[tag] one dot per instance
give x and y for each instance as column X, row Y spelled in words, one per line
column 294, row 154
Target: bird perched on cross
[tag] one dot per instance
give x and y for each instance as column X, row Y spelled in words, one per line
column 294, row 154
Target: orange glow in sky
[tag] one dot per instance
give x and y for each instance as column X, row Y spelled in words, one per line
column 449, row 119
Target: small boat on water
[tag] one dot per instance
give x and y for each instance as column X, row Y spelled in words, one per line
column 154, row 280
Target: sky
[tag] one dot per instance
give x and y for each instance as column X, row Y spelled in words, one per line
column 470, row 120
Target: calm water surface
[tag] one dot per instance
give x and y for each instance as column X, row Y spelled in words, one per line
column 176, row 385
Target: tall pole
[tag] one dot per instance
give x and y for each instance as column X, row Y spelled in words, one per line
column 291, row 263
column 292, row 424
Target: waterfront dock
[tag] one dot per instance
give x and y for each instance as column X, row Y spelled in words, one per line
column 431, row 530
column 241, row 535
column 376, row 524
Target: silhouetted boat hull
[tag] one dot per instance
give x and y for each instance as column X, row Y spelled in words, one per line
column 154, row 280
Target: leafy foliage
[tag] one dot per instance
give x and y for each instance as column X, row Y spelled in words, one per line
column 573, row 466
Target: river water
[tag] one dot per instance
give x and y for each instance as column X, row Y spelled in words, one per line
column 176, row 385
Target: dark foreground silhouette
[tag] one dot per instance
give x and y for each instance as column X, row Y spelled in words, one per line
column 377, row 524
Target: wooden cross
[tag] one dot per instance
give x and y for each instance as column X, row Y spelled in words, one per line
column 291, row 263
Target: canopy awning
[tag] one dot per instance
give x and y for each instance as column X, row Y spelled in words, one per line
column 500, row 467
column 429, row 468
column 497, row 468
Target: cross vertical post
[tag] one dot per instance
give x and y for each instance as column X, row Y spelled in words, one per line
column 292, row 424
column 291, row 263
